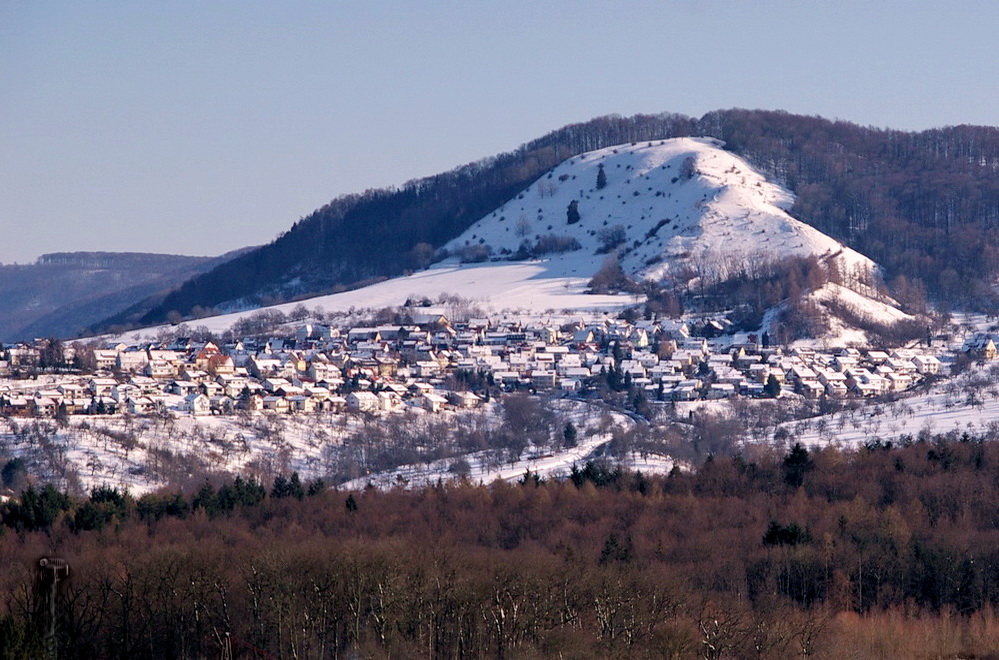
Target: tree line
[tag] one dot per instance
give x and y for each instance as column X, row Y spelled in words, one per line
column 886, row 551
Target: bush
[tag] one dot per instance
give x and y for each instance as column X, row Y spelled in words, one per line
column 611, row 279
column 552, row 244
column 610, row 238
column 472, row 254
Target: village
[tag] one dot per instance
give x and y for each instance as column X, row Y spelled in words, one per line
column 432, row 364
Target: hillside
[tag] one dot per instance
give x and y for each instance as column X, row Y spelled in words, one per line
column 674, row 208
column 684, row 214
column 680, row 214
column 923, row 205
column 61, row 294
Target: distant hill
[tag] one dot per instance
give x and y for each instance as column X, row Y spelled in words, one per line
column 61, row 294
column 924, row 205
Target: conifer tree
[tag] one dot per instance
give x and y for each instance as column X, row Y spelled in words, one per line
column 601, row 177
column 572, row 213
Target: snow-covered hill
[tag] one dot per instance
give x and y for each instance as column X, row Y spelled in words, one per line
column 682, row 208
column 666, row 207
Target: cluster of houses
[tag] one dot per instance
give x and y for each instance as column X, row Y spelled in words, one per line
column 428, row 364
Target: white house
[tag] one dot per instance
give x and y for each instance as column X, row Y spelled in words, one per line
column 197, row 404
column 362, row 402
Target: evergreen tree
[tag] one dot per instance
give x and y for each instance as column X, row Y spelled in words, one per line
column 601, row 177
column 284, row 487
column 572, row 213
column 295, row 488
column 570, row 435
column 772, row 388
column 796, row 465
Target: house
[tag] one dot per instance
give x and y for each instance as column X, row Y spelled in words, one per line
column 362, row 402
column 927, row 365
column 183, row 387
column 543, row 379
column 141, row 405
column 685, row 391
column 145, row 384
column 276, row 404
column 303, row 404
column 122, row 391
column 132, row 360
column 197, row 404
column 880, row 357
column 101, row 386
column 389, row 400
column 222, row 404
column 102, row 406
column 721, row 391
column 275, row 384
column 203, row 357
column 464, row 400
column 358, row 335
column 16, row 406
column 44, row 406
column 432, row 402
column 251, row 402
column 220, row 364
column 981, row 346
column 160, row 369
column 106, row 359
column 76, row 406
column 335, row 403
column 313, row 332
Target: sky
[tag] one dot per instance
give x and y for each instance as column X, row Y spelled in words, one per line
column 197, row 128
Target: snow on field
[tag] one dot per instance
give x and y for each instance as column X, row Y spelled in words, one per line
column 495, row 288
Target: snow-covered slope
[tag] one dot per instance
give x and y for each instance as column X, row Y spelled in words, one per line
column 683, row 207
column 670, row 205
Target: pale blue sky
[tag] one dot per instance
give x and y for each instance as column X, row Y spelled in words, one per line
column 196, row 128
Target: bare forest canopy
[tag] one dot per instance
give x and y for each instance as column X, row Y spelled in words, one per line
column 887, row 551
column 925, row 205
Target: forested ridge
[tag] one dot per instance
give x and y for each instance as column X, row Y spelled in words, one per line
column 63, row 293
column 923, row 204
column 887, row 551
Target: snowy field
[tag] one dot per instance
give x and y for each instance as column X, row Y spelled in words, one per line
column 523, row 288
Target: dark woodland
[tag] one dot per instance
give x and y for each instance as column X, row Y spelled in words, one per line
column 925, row 205
column 886, row 551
